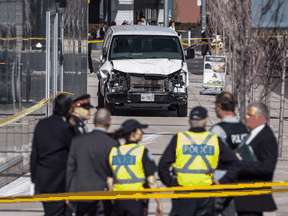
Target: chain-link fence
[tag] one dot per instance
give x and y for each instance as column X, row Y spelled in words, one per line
column 23, row 72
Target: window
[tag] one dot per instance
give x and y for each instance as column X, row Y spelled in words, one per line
column 145, row 46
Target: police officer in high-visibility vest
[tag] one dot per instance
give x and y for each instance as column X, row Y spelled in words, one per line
column 194, row 154
column 132, row 165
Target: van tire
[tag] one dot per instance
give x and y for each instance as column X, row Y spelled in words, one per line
column 182, row 110
column 100, row 98
column 109, row 106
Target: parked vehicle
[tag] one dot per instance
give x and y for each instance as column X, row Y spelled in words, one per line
column 143, row 66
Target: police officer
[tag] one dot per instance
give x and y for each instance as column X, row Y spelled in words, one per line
column 232, row 132
column 194, row 154
column 132, row 165
column 80, row 113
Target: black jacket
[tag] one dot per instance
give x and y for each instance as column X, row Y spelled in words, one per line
column 266, row 150
column 78, row 126
column 88, row 162
column 226, row 156
column 50, row 147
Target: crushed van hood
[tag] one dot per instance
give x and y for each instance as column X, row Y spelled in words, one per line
column 148, row 66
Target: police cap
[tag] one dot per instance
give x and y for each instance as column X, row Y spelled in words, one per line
column 82, row 101
column 131, row 125
column 198, row 113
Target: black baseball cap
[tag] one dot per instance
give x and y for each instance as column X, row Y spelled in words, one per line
column 198, row 113
column 82, row 101
column 131, row 125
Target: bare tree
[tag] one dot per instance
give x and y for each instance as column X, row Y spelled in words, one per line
column 255, row 56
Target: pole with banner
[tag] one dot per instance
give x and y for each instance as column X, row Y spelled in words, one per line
column 214, row 74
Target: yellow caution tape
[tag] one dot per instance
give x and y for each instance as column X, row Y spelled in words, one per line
column 25, row 112
column 36, row 38
column 187, row 44
column 218, row 187
column 196, row 38
column 64, row 92
column 146, row 193
column 95, row 41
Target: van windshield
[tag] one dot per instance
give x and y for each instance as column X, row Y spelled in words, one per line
column 145, row 46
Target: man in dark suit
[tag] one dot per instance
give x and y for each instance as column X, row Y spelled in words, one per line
column 88, row 165
column 264, row 145
column 51, row 143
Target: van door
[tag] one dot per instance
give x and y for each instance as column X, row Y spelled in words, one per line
column 105, row 47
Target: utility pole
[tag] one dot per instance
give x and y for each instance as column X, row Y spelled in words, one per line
column 166, row 13
column 203, row 15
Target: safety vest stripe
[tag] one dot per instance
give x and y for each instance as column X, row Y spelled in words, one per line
column 194, row 171
column 186, row 169
column 129, row 181
column 118, row 152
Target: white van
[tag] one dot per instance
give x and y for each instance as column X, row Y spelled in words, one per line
column 143, row 66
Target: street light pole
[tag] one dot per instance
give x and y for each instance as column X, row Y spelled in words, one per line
column 166, row 13
column 203, row 15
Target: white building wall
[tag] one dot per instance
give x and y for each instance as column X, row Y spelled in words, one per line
column 160, row 15
column 122, row 10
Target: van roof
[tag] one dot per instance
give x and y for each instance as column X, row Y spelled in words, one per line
column 142, row 29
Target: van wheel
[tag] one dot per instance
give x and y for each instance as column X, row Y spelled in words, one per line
column 109, row 106
column 100, row 98
column 182, row 110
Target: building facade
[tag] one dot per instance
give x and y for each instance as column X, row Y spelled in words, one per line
column 106, row 11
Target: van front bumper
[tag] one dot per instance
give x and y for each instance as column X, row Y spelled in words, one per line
column 133, row 97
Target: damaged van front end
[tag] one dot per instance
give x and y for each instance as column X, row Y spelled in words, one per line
column 144, row 73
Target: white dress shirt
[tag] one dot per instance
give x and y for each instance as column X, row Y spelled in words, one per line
column 254, row 133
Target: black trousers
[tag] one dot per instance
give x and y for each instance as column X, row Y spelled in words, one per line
column 192, row 207
column 225, row 206
column 90, row 63
column 95, row 208
column 129, row 208
column 249, row 213
column 56, row 209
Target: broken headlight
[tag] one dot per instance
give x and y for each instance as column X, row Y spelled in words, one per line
column 117, row 81
column 176, row 82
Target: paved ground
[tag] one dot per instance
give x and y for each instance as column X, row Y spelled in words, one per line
column 162, row 125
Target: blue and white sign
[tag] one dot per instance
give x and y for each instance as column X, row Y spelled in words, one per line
column 269, row 14
column 170, row 13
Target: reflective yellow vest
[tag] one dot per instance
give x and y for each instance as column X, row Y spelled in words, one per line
column 126, row 164
column 197, row 156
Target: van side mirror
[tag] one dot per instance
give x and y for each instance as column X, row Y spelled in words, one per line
column 104, row 51
column 190, row 53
